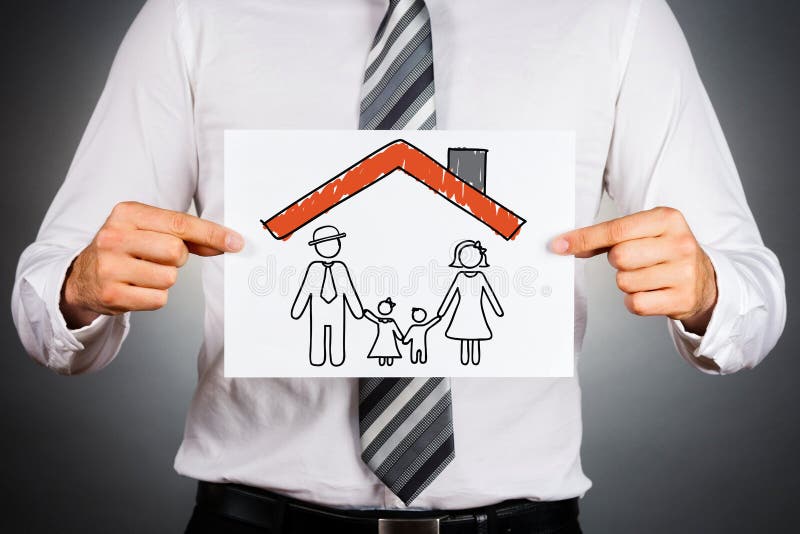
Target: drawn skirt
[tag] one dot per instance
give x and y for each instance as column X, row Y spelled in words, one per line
column 469, row 322
column 385, row 345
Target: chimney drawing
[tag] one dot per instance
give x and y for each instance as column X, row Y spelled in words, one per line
column 469, row 164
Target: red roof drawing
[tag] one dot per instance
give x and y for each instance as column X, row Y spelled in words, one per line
column 415, row 163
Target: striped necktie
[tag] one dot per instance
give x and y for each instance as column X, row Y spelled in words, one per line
column 406, row 424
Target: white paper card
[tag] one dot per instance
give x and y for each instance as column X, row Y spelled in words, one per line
column 399, row 253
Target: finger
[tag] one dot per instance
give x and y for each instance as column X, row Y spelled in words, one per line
column 187, row 227
column 200, row 250
column 638, row 253
column 147, row 274
column 121, row 297
column 661, row 276
column 648, row 303
column 157, row 247
column 593, row 240
column 166, row 248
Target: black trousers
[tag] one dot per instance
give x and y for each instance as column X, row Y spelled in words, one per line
column 209, row 522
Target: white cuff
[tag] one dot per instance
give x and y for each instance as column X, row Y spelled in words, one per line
column 720, row 342
column 84, row 349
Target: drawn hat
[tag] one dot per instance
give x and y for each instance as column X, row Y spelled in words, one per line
column 325, row 233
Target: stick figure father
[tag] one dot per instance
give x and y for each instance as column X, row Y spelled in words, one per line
column 325, row 291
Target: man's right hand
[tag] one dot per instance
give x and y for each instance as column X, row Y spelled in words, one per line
column 134, row 259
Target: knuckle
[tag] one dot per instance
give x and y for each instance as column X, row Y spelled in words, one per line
column 671, row 215
column 160, row 299
column 122, row 208
column 171, row 276
column 176, row 252
column 178, row 223
column 663, row 211
column 687, row 245
column 639, row 308
column 617, row 230
column 118, row 210
column 623, row 281
column 108, row 296
column 618, row 256
column 104, row 268
column 636, row 304
column 108, row 238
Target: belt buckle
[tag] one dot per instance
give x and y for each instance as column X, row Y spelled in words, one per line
column 409, row 526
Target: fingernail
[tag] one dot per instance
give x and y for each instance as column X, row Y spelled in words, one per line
column 234, row 242
column 560, row 245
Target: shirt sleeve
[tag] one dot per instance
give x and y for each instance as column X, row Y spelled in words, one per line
column 668, row 149
column 139, row 145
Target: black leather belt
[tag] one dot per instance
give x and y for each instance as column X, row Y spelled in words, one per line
column 283, row 514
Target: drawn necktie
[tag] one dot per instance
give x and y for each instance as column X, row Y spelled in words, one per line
column 406, row 424
column 328, row 290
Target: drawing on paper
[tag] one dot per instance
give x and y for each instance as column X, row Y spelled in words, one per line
column 327, row 293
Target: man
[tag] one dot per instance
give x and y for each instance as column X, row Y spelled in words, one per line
column 324, row 292
column 617, row 72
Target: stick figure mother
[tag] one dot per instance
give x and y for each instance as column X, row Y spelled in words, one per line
column 467, row 293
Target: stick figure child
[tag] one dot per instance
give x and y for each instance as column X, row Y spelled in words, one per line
column 417, row 335
column 385, row 346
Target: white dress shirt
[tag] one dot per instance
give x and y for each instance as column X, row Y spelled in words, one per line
column 617, row 72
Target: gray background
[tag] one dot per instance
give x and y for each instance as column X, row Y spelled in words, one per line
column 668, row 449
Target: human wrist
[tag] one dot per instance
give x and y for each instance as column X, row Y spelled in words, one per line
column 698, row 323
column 75, row 313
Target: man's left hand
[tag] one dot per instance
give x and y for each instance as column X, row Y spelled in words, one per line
column 660, row 266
